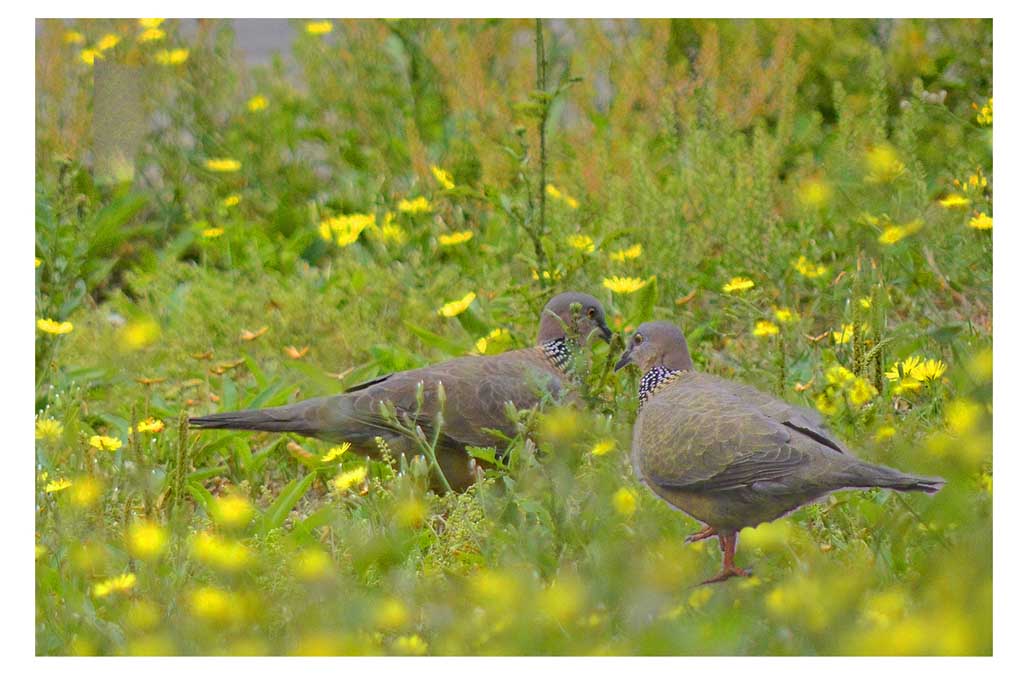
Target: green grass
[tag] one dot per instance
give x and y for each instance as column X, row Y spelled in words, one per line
column 790, row 153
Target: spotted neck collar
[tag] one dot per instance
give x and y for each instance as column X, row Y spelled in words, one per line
column 559, row 352
column 655, row 378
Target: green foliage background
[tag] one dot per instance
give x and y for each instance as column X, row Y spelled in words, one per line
column 723, row 148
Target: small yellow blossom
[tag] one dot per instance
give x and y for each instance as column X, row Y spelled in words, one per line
column 312, row 564
column 783, row 314
column 456, row 238
column 414, row 206
column 391, row 614
column 494, row 342
column 975, row 181
column 117, row 584
column 57, row 485
column 212, row 232
column 108, row 42
column 393, row 233
column 603, row 446
column 765, row 328
column 172, row 57
column 984, row 116
column 85, row 492
column 89, row 56
column 47, row 428
column 931, row 369
column 151, row 35
column 861, row 392
column 318, row 27
column 231, row 200
column 257, row 103
column 826, row 404
column 864, row 302
column 839, row 375
column 954, row 201
column 212, row 604
column 335, row 452
column 146, row 540
column 222, row 164
column 54, row 327
column 581, row 242
column 345, row 480
column 444, row 178
column 232, row 511
column 897, row 232
column 37, row 262
column 559, row 195
column 624, row 284
column 410, row 645
column 903, row 369
column 137, row 334
column 815, row 192
column 74, row 38
column 844, row 335
column 546, row 275
column 981, row 221
column 220, row 553
column 456, row 307
column 884, row 164
column 625, row 502
column 346, row 229
column 809, row 269
column 962, row 416
column 738, row 284
column 625, row 254
column 103, row 443
column 885, row 432
column 150, row 23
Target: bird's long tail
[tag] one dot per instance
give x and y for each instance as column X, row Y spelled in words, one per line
column 866, row 475
column 308, row 418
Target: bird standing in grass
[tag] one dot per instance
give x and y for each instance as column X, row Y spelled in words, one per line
column 730, row 455
column 476, row 390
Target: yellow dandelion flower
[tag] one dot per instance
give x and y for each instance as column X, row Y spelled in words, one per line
column 150, row 23
column 981, row 221
column 884, row 433
column 335, row 452
column 603, row 446
column 232, row 511
column 765, row 328
column 984, row 116
column 783, row 314
column 976, row 181
column 494, row 342
column 257, row 103
column 345, row 480
column 89, row 56
column 212, row 604
column 393, row 233
column 231, row 200
column 809, row 269
column 57, row 485
column 844, row 335
column 625, row 501
column 864, row 302
column 54, row 327
column 151, row 35
column 108, row 42
column 625, row 254
column 391, row 614
column 861, row 392
column 839, row 375
column 814, row 192
column 546, row 275
column 581, row 242
column 103, row 443
column 74, row 38
column 884, row 164
column 146, row 540
column 414, row 206
column 346, row 229
column 456, row 238
column 738, row 284
column 212, row 232
column 456, row 307
column 954, row 201
column 220, row 553
column 624, row 284
column 930, row 370
column 444, row 178
column 903, row 369
column 894, row 233
column 138, row 334
column 117, row 584
column 48, row 428
column 222, row 164
column 826, row 404
column 85, row 492
column 318, row 27
column 410, row 645
column 37, row 262
column 173, row 57
column 312, row 564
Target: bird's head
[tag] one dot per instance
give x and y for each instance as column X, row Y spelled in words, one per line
column 575, row 315
column 657, row 343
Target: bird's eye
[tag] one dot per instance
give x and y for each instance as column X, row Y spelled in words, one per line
column 591, row 312
column 638, row 339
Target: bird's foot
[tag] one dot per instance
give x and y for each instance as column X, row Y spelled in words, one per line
column 706, row 532
column 727, row 573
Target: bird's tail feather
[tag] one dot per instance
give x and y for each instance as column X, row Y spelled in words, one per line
column 301, row 418
column 868, row 475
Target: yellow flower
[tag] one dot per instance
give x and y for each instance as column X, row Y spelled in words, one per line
column 89, row 56
column 624, row 284
column 625, row 501
column 884, row 164
column 443, row 177
column 981, row 221
column 117, row 584
column 976, row 181
column 257, row 103
column 414, row 206
column 318, row 27
column 212, row 232
column 954, row 201
column 625, row 254
column 839, row 375
column 603, row 446
column 814, row 192
column 738, row 284
column 581, row 242
column 894, row 232
column 151, row 35
column 561, row 601
column 232, row 511
column 809, row 269
column 864, row 302
column 559, row 195
column 494, row 342
column 222, row 164
column 826, row 404
column 885, row 432
column 40, row 550
column 312, row 564
column 47, row 428
column 231, row 200
column 150, row 23
column 220, row 553
column 984, row 116
column 456, row 238
column 393, row 233
column 844, row 334
column 783, row 314
column 172, row 57
column 391, row 614
column 146, row 540
column 85, row 492
column 765, row 328
column 861, row 392
column 345, row 480
column 137, row 334
column 37, row 262
column 74, row 38
column 346, row 229
column 107, row 42
column 931, row 369
column 336, row 452
column 54, row 327
column 104, row 443
column 451, row 309
column 410, row 645
column 962, row 416
column 903, row 369
column 57, row 485
column 546, row 275
column 212, row 604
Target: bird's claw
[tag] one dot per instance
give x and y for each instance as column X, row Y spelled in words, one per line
column 727, row 573
column 706, row 532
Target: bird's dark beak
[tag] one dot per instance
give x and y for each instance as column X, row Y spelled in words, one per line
column 607, row 334
column 624, row 360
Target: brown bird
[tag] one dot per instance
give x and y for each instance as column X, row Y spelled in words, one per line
column 730, row 455
column 476, row 389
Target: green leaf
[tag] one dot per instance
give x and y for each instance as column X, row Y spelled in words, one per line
column 647, row 298
column 276, row 514
column 451, row 347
